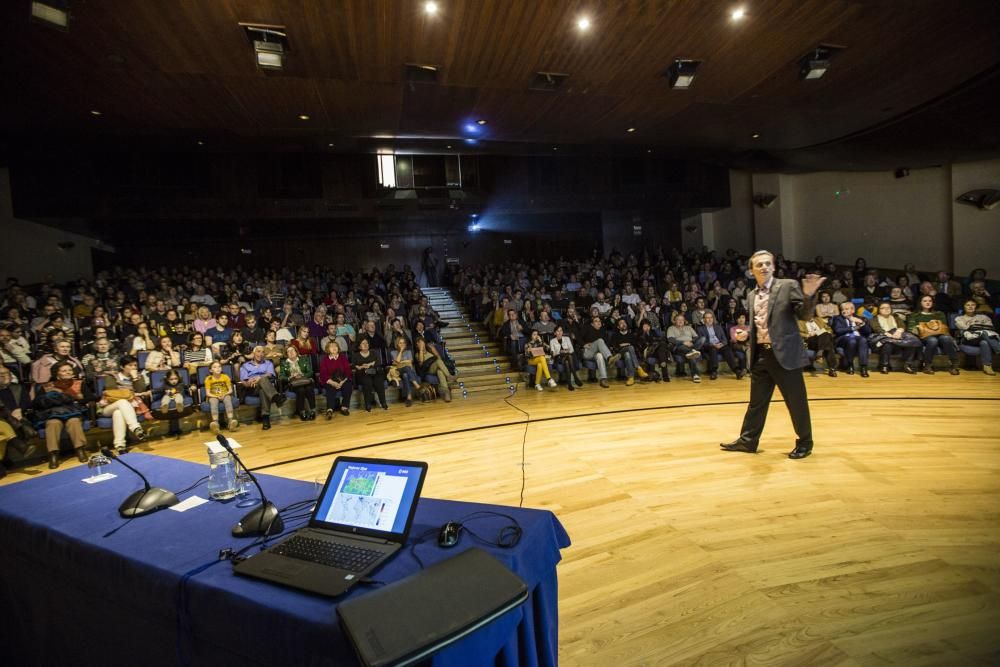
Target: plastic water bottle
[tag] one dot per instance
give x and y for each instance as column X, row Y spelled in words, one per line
column 222, row 476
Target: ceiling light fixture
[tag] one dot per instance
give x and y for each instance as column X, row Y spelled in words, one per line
column 270, row 44
column 431, row 8
column 738, row 14
column 303, row 116
column 46, row 13
column 815, row 64
column 583, row 23
column 200, row 142
column 95, row 112
column 682, row 72
column 481, row 121
column 755, row 135
column 630, row 130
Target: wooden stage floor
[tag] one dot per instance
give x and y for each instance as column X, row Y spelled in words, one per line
column 881, row 548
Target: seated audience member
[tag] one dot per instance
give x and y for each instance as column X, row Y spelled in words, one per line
column 976, row 329
column 622, row 343
column 561, row 348
column 219, row 388
column 331, row 336
column 142, row 341
column 931, row 327
column 826, row 307
column 716, row 343
column 163, row 358
column 297, row 373
column 101, row 361
column 196, row 354
column 513, row 333
column 123, row 400
column 889, row 335
column 176, row 328
column 253, row 333
column 544, row 325
column 652, row 345
column 818, row 337
column 402, row 367
column 697, row 314
column 335, row 377
column 852, row 336
column 427, row 361
column 15, row 431
column 220, row 334
column 171, row 406
column 317, row 324
column 41, row 369
column 948, row 288
column 302, row 343
column 870, row 290
column 899, row 302
column 839, row 293
column 591, row 339
column 203, row 321
column 257, row 379
column 986, row 303
column 11, row 354
column 236, row 351
column 368, row 373
column 686, row 344
column 535, row 356
column 60, row 404
column 369, row 332
column 344, row 330
column 273, row 350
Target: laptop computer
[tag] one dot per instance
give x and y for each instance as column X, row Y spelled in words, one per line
column 361, row 518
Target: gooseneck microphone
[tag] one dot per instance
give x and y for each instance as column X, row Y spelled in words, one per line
column 144, row 501
column 261, row 520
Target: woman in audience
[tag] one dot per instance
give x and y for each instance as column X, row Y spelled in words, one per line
column 196, row 354
column 164, row 358
column 402, row 365
column 368, row 373
column 426, row 362
column 303, row 344
column 818, row 337
column 977, row 330
column 561, row 348
column 335, row 377
column 60, row 404
column 535, row 355
column 297, row 372
column 203, row 321
column 273, row 350
column 889, row 335
column 123, row 399
column 236, row 352
column 931, row 327
column 826, row 307
column 219, row 387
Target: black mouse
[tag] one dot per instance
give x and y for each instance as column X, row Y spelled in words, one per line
column 448, row 537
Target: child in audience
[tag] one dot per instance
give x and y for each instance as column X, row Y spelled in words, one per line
column 219, row 388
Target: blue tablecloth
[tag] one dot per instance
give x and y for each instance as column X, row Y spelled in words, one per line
column 155, row 593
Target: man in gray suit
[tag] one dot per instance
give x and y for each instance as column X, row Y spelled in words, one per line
column 777, row 354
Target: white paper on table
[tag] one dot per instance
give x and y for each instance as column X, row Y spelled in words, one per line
column 215, row 448
column 103, row 477
column 188, row 503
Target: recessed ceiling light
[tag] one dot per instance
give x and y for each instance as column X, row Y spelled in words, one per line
column 95, row 112
column 755, row 135
column 303, row 116
column 330, row 145
column 200, row 142
column 555, row 148
column 448, row 146
column 583, row 23
column 481, row 121
column 630, row 130
column 738, row 14
column 649, row 150
column 431, row 8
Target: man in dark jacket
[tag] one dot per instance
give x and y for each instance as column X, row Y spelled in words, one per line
column 777, row 355
column 716, row 344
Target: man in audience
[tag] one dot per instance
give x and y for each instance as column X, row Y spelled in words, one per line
column 852, row 336
column 595, row 349
column 686, row 344
column 101, row 362
column 257, row 377
column 716, row 343
column 12, row 355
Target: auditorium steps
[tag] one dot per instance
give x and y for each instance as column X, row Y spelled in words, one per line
column 481, row 365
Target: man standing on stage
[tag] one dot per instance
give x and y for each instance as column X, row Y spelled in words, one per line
column 777, row 354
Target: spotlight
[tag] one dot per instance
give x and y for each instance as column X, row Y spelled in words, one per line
column 583, row 24
column 755, row 135
column 270, row 55
column 431, row 8
column 269, row 42
column 481, row 121
column 814, row 65
column 200, row 142
column 682, row 72
column 474, row 227
column 95, row 112
column 738, row 14
column 471, row 141
column 630, row 130
column 57, row 17
column 303, row 116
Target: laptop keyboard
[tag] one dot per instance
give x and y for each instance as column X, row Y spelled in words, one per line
column 333, row 554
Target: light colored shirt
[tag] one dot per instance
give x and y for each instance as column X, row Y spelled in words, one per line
column 760, row 304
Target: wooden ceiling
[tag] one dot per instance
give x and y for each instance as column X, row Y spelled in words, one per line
column 183, row 71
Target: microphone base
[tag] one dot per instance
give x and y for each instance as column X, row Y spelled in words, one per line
column 261, row 520
column 144, row 502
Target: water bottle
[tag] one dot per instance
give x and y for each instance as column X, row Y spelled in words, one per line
column 222, row 477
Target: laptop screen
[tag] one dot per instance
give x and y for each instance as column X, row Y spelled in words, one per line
column 370, row 497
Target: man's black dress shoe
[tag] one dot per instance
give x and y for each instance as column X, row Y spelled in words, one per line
column 864, row 371
column 799, row 453
column 850, row 370
column 740, row 446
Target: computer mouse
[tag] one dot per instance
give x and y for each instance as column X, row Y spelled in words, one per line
column 448, row 537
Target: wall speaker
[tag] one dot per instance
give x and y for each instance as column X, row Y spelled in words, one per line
column 764, row 200
column 985, row 199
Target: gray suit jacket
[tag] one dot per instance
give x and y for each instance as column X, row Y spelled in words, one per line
column 786, row 307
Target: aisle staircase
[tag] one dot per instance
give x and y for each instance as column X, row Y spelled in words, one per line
column 480, row 363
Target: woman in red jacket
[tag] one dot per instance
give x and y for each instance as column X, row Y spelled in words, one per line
column 335, row 378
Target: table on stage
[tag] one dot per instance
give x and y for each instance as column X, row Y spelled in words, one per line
column 156, row 593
